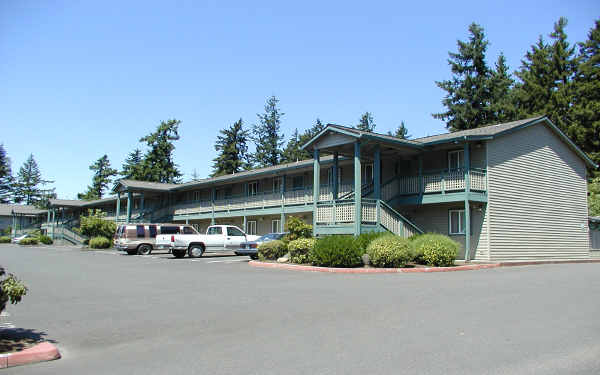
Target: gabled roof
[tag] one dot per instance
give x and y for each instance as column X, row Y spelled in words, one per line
column 145, row 185
column 80, row 203
column 360, row 134
column 19, row 209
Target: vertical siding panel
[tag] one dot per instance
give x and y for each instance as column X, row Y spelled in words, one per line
column 537, row 197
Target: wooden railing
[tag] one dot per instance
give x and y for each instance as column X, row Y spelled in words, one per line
column 434, row 182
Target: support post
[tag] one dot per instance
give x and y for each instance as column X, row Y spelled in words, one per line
column 282, row 188
column 467, row 167
column 118, row 210
column 245, row 225
column 336, row 168
column 377, row 173
column 357, row 190
column 316, row 186
column 142, row 202
column 213, row 195
column 421, row 185
column 129, row 203
column 48, row 219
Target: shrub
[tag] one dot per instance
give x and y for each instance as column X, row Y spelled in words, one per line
column 29, row 241
column 336, row 251
column 389, row 251
column 99, row 242
column 5, row 239
column 435, row 250
column 11, row 289
column 45, row 239
column 298, row 229
column 299, row 249
column 94, row 225
column 364, row 239
column 272, row 250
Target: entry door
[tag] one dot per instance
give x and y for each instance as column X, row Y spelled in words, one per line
column 216, row 239
column 367, row 174
column 234, row 238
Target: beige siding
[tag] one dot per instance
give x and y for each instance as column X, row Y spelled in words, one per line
column 537, row 197
column 434, row 218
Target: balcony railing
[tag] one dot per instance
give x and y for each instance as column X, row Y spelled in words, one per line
column 435, row 182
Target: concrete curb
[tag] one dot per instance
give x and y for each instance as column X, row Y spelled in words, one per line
column 298, row 267
column 40, row 353
column 467, row 267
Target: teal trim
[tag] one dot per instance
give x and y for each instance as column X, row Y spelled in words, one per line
column 385, row 139
column 316, row 184
column 118, row 209
column 357, row 190
column 467, row 230
column 377, row 173
column 327, row 129
column 438, row 198
column 129, row 203
column 249, row 212
column 335, row 172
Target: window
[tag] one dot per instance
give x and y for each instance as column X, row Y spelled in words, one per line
column 214, row 231
column 141, row 232
column 367, row 174
column 197, row 195
column 277, row 182
column 169, row 230
column 152, row 229
column 251, row 227
column 457, row 221
column 234, row 232
column 189, row 230
column 298, row 182
column 330, row 176
column 252, row 188
column 455, row 159
column 275, row 224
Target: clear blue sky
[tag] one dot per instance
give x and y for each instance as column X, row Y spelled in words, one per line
column 81, row 79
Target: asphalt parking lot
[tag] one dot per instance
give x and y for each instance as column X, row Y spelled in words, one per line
column 110, row 313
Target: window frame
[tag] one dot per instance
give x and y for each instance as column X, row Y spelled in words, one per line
column 249, row 190
column 278, row 229
column 249, row 227
column 460, row 160
column 461, row 222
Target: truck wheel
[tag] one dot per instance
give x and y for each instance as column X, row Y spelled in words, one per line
column 195, row 251
column 144, row 249
column 178, row 253
column 254, row 257
column 132, row 252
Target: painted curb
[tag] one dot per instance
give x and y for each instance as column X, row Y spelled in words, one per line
column 40, row 353
column 297, row 267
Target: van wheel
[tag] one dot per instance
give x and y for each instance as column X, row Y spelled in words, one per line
column 178, row 253
column 132, row 252
column 144, row 249
column 195, row 251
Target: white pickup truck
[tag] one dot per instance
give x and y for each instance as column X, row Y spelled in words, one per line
column 217, row 238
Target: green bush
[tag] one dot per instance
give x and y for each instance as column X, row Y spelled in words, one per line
column 364, row 239
column 11, row 289
column 7, row 231
column 435, row 250
column 336, row 251
column 389, row 251
column 5, row 239
column 45, row 239
column 299, row 249
column 94, row 225
column 272, row 250
column 99, row 243
column 297, row 229
column 29, row 241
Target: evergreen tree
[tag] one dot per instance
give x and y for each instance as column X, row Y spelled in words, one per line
column 366, row 123
column 468, row 95
column 546, row 75
column 502, row 102
column 293, row 151
column 584, row 130
column 267, row 136
column 101, row 179
column 232, row 150
column 158, row 164
column 195, row 175
column 132, row 168
column 400, row 132
column 28, row 185
column 6, row 179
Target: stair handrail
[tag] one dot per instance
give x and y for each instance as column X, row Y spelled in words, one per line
column 410, row 223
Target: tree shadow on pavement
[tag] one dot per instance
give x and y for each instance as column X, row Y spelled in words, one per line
column 17, row 339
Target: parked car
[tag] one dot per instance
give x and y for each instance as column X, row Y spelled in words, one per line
column 217, row 238
column 141, row 238
column 21, row 237
column 250, row 248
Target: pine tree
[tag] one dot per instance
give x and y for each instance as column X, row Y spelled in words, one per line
column 546, row 75
column 6, row 179
column 366, row 123
column 585, row 127
column 400, row 132
column 101, row 179
column 502, row 101
column 293, row 150
column 468, row 96
column 132, row 168
column 158, row 165
column 195, row 175
column 29, row 183
column 267, row 136
column 232, row 150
